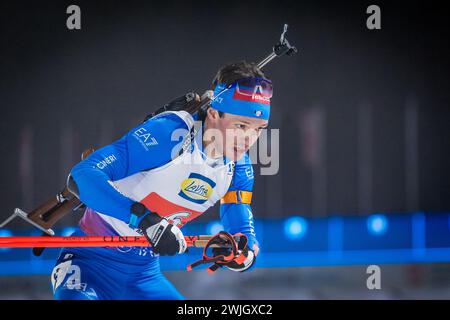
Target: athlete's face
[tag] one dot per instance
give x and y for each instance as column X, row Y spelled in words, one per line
column 232, row 135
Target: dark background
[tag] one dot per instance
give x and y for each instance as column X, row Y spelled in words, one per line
column 363, row 114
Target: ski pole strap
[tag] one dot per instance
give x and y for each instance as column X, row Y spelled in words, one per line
column 229, row 251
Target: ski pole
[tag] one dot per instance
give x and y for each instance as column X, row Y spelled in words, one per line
column 85, row 241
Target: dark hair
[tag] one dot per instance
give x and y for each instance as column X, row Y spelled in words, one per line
column 237, row 70
column 232, row 72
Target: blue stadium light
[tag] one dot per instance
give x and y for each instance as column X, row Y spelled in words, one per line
column 5, row 233
column 377, row 224
column 295, row 228
column 67, row 231
column 214, row 227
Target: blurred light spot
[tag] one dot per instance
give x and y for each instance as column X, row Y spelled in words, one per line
column 214, row 227
column 295, row 228
column 67, row 231
column 5, row 233
column 377, row 224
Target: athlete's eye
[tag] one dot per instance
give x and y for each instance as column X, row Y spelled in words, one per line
column 240, row 126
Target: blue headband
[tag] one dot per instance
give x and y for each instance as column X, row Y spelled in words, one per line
column 229, row 100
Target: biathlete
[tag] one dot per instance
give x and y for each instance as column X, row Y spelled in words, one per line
column 160, row 175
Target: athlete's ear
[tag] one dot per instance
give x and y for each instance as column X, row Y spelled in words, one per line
column 212, row 114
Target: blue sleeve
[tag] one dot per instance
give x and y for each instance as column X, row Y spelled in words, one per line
column 238, row 217
column 144, row 147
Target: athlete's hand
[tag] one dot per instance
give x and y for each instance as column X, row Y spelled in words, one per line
column 227, row 252
column 165, row 238
column 243, row 259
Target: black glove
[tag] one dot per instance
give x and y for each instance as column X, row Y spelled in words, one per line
column 165, row 238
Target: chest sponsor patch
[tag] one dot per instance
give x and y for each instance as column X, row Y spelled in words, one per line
column 197, row 188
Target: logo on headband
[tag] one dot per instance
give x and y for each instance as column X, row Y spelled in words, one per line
column 251, row 97
column 258, row 113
